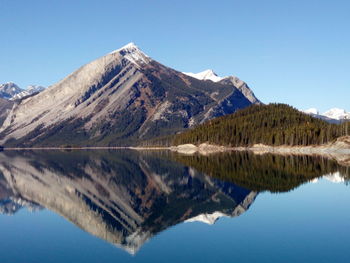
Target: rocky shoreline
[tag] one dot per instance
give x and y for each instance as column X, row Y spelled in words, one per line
column 338, row 150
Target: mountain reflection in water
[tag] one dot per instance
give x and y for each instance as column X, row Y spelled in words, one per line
column 125, row 197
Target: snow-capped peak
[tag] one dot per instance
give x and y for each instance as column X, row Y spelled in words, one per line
column 133, row 54
column 208, row 74
column 334, row 114
column 8, row 90
column 337, row 114
column 31, row 89
column 311, row 111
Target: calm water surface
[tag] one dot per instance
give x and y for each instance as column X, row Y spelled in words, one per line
column 126, row 206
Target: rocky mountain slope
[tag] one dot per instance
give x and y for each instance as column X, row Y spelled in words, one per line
column 209, row 74
column 121, row 98
column 10, row 92
column 5, row 108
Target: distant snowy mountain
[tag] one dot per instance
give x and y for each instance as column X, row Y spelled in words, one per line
column 337, row 114
column 334, row 115
column 205, row 75
column 8, row 90
column 11, row 91
column 32, row 89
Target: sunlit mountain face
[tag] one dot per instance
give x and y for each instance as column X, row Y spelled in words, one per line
column 126, row 197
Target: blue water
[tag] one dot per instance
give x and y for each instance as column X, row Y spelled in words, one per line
column 126, row 206
column 309, row 224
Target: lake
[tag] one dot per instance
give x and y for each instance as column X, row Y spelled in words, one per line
column 130, row 206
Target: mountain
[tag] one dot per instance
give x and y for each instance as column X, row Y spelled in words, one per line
column 123, row 197
column 337, row 114
column 122, row 98
column 8, row 90
column 31, row 90
column 5, row 108
column 334, row 115
column 208, row 74
column 11, row 91
column 273, row 124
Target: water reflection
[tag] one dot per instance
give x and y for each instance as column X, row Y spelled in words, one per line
column 126, row 197
column 266, row 172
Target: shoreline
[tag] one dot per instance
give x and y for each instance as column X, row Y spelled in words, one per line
column 340, row 147
column 339, row 154
column 206, row 148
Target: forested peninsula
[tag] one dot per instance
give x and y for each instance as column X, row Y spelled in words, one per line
column 272, row 124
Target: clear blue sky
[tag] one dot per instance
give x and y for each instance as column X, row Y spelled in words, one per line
column 296, row 52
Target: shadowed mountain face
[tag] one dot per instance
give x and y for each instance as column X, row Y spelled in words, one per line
column 125, row 197
column 122, row 197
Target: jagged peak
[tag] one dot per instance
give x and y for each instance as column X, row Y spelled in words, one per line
column 9, row 83
column 129, row 46
column 133, row 53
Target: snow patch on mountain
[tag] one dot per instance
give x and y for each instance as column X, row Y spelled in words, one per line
column 208, row 74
